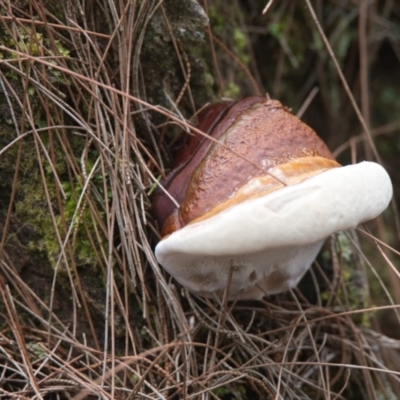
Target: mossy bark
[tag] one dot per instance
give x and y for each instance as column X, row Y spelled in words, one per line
column 34, row 204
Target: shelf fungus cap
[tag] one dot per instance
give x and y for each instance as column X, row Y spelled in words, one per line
column 255, row 211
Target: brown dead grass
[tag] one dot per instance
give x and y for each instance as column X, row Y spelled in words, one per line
column 104, row 320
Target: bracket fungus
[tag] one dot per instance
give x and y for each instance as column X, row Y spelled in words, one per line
column 255, row 208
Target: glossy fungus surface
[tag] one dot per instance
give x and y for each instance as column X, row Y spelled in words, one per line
column 255, row 208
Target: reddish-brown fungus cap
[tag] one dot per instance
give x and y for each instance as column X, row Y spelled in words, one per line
column 256, row 134
column 255, row 208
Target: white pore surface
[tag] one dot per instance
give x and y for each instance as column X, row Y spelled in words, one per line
column 269, row 242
